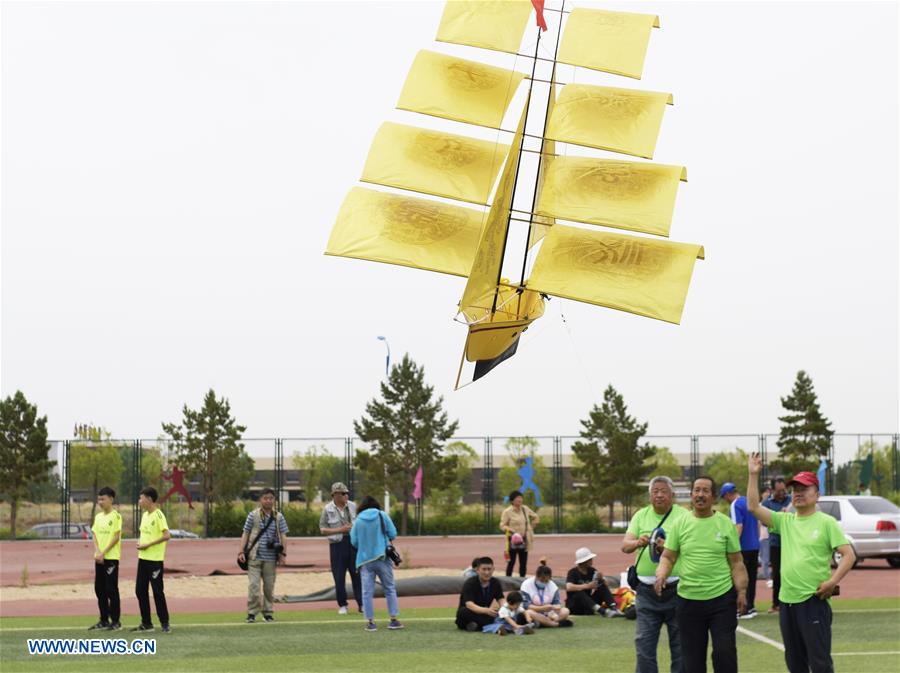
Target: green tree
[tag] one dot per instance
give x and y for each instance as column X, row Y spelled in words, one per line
column 611, row 461
column 448, row 500
column 207, row 444
column 152, row 466
column 663, row 463
column 848, row 476
column 405, row 429
column 519, row 449
column 728, row 466
column 24, row 451
column 94, row 463
column 805, row 435
column 318, row 471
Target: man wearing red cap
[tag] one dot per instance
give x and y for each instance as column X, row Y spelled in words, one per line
column 808, row 541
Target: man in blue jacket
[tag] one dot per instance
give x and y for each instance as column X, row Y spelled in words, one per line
column 372, row 532
column 748, row 531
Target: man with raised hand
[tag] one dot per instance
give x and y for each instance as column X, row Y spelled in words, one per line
column 713, row 581
column 653, row 611
column 776, row 502
column 808, row 541
column 107, row 530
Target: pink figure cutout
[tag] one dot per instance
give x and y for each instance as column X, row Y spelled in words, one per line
column 176, row 476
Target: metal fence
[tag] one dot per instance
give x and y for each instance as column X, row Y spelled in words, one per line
column 129, row 464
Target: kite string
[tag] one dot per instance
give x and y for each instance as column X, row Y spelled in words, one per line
column 581, row 365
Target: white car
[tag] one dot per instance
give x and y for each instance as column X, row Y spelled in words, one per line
column 870, row 522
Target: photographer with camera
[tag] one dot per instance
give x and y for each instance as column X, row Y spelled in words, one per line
column 263, row 545
column 372, row 535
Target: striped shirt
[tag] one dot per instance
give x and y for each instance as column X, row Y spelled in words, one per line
column 262, row 550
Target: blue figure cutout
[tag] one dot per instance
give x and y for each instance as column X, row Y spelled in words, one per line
column 526, row 472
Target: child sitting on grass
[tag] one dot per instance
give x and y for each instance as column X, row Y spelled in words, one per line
column 509, row 617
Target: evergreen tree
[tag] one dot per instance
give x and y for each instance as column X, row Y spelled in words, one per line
column 406, row 429
column 207, row 444
column 805, row 435
column 24, row 451
column 611, row 461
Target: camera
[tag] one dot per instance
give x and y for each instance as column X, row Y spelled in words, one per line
column 277, row 547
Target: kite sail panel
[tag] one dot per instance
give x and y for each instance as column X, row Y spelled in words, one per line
column 637, row 196
column 407, row 231
column 434, row 162
column 479, row 296
column 608, row 118
column 458, row 89
column 614, row 42
column 644, row 276
column 499, row 26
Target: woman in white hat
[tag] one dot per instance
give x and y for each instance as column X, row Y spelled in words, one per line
column 586, row 590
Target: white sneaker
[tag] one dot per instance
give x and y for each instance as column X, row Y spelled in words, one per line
column 342, row 610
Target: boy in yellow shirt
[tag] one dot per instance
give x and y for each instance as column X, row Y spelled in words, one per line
column 107, row 530
column 151, row 553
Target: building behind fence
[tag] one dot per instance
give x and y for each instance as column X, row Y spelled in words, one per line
column 477, row 509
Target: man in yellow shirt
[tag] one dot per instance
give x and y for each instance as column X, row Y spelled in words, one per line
column 107, row 530
column 151, row 553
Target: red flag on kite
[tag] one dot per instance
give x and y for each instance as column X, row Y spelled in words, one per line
column 539, row 10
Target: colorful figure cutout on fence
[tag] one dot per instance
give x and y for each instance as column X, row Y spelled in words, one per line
column 176, row 476
column 526, row 472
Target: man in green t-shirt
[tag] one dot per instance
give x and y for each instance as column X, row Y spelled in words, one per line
column 808, row 541
column 653, row 611
column 151, row 553
column 712, row 588
column 107, row 530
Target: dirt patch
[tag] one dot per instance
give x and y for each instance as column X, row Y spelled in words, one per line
column 222, row 586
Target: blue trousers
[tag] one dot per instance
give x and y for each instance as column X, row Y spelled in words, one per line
column 384, row 569
column 343, row 561
column 652, row 613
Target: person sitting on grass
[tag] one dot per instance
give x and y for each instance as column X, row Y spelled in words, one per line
column 541, row 599
column 512, row 618
column 586, row 590
column 480, row 598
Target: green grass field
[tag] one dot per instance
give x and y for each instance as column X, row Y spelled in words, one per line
column 866, row 640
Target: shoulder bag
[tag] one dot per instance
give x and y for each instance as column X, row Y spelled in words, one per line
column 243, row 565
column 633, row 580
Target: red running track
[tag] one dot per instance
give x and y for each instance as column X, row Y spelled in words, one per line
column 59, row 562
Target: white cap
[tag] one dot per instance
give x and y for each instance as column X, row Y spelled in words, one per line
column 583, row 554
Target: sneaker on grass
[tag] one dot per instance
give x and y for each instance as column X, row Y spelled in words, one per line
column 395, row 624
column 251, row 619
column 342, row 610
column 166, row 628
column 115, row 626
column 269, row 618
column 99, row 626
column 142, row 628
column 370, row 627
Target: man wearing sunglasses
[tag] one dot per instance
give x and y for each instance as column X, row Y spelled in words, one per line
column 336, row 522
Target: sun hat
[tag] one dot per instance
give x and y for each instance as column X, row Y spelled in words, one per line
column 583, row 554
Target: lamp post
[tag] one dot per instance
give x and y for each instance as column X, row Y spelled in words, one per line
column 387, row 360
column 387, row 367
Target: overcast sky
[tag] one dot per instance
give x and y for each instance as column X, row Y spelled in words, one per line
column 171, row 173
